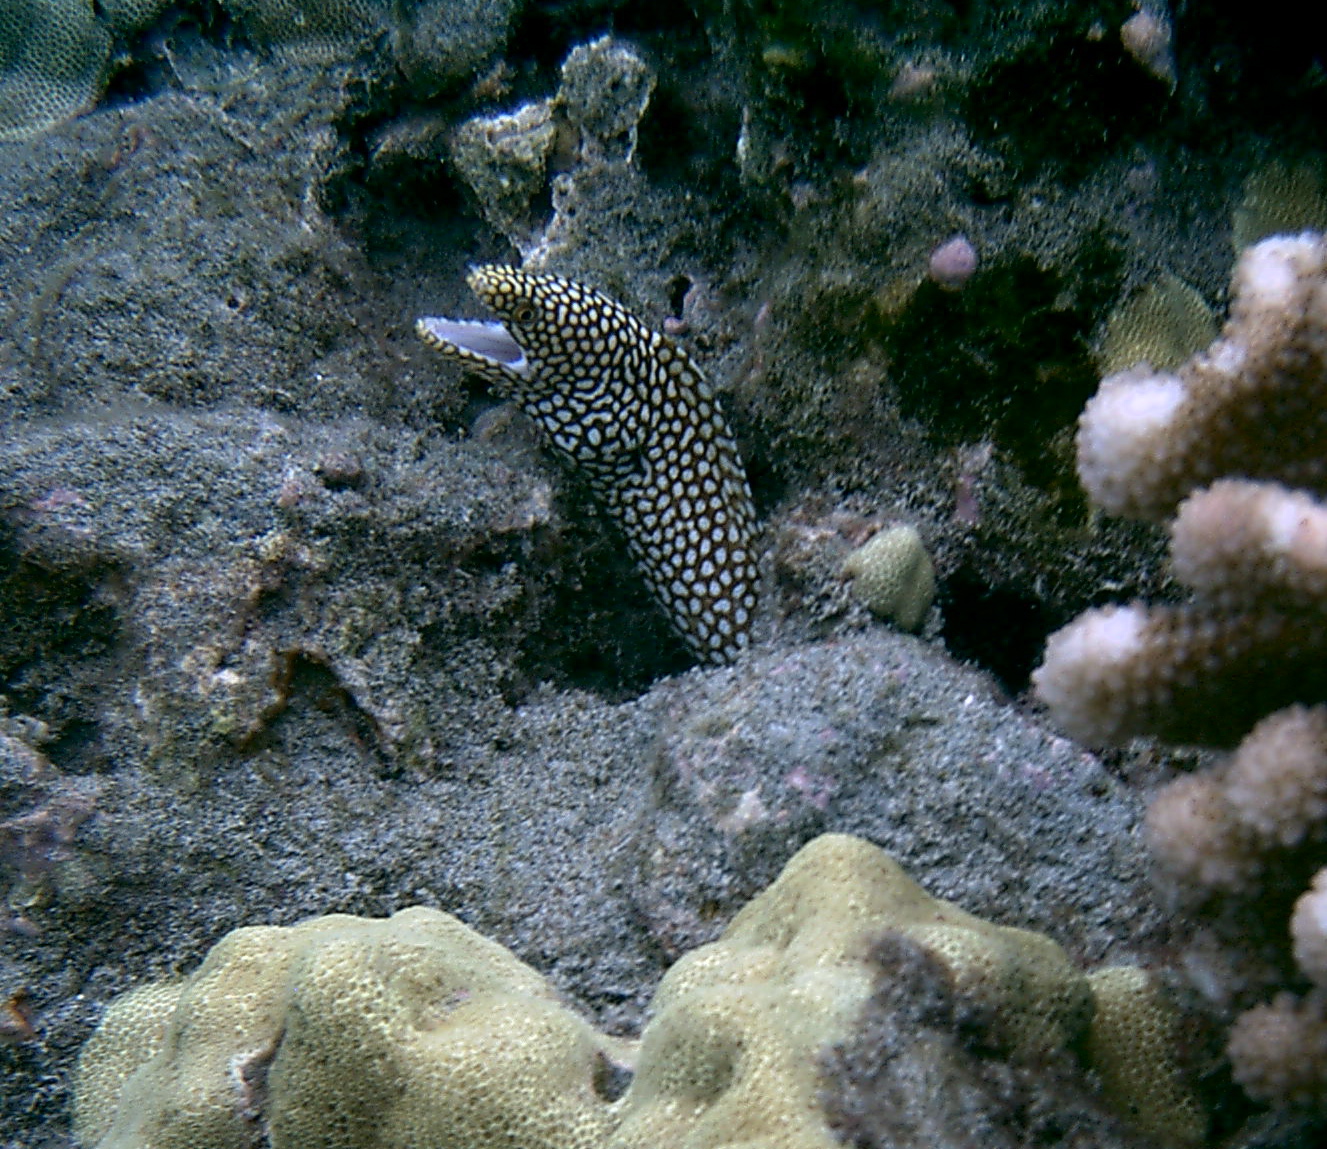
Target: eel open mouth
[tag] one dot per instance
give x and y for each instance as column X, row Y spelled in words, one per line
column 483, row 339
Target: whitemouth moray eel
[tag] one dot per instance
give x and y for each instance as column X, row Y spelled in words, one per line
column 630, row 411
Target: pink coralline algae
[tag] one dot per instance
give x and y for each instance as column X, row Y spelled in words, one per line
column 953, row 263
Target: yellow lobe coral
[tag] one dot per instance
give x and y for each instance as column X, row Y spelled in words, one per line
column 347, row 1033
column 893, row 576
column 1132, row 1044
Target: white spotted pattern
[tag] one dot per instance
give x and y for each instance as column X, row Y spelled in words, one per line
column 628, row 407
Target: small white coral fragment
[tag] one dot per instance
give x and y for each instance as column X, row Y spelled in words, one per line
column 1146, row 36
column 893, row 576
column 606, row 88
column 504, row 159
column 1308, row 928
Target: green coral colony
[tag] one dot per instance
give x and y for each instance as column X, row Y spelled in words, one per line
column 351, row 1033
column 629, row 410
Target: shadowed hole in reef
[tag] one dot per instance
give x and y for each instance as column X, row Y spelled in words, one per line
column 560, row 604
column 996, row 628
column 58, row 647
column 610, row 1080
column 1101, row 97
column 600, row 629
column 1007, row 359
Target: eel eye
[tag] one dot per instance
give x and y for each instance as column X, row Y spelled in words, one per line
column 523, row 312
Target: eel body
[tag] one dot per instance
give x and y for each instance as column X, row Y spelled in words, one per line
column 627, row 407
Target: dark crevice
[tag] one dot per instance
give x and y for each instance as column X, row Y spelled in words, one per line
column 306, row 681
column 1007, row 359
column 60, row 639
column 1101, row 98
column 143, row 64
column 1001, row 629
column 677, row 293
column 599, row 627
column 1252, row 65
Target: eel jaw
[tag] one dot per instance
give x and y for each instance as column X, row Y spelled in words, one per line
column 482, row 343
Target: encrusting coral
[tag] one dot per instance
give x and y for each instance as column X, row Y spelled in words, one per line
column 54, row 60
column 1239, row 433
column 1280, row 197
column 344, row 1031
column 414, row 1030
column 1163, row 324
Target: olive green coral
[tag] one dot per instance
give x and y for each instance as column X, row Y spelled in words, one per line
column 54, row 56
column 1162, row 324
column 1131, row 1043
column 346, row 1033
column 893, row 576
column 731, row 1055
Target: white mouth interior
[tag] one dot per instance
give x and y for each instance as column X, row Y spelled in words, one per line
column 487, row 339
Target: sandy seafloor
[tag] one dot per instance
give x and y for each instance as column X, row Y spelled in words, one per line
column 296, row 619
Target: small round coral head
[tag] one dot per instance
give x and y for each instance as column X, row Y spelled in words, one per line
column 893, row 576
